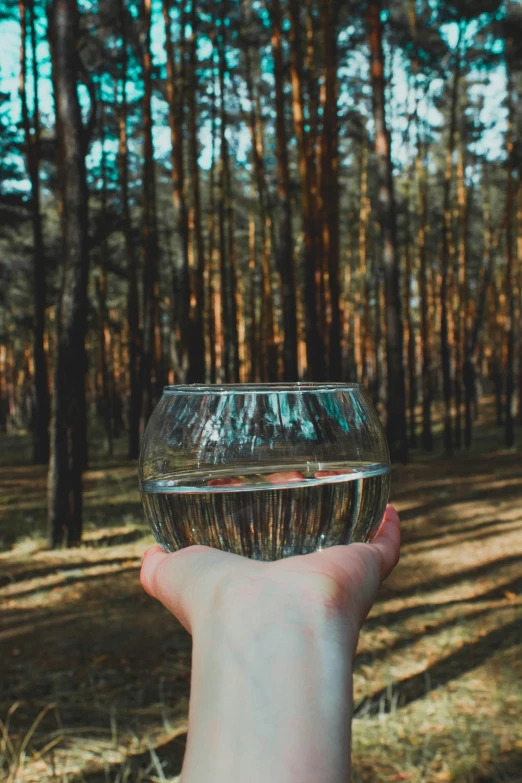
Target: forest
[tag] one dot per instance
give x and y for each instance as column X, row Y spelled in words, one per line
column 226, row 191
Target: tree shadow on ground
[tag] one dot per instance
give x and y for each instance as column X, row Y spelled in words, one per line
column 100, row 646
column 444, row 580
column 26, row 575
column 79, row 577
column 391, row 618
column 470, row 494
column 468, row 657
column 449, row 537
column 428, row 630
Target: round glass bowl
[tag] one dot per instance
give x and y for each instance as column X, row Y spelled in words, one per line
column 264, row 470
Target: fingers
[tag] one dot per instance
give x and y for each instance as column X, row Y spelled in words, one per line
column 224, row 482
column 283, row 477
column 170, row 578
column 149, row 561
column 388, row 541
column 184, row 581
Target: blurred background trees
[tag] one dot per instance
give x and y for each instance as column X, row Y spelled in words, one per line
column 263, row 190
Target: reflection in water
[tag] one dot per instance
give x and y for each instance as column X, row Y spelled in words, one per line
column 247, row 516
column 264, row 473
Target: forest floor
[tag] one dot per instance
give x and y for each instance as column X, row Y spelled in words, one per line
column 94, row 677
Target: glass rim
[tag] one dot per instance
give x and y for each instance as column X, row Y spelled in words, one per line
column 304, row 387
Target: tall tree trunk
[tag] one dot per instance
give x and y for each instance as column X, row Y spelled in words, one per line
column 445, row 256
column 314, row 105
column 461, row 310
column 362, row 334
column 422, row 184
column 68, row 414
column 268, row 345
column 519, row 256
column 396, row 402
column 196, row 366
column 226, row 226
column 133, row 308
column 510, row 279
column 312, row 76
column 285, row 259
column 330, row 181
column 4, row 397
column 497, row 332
column 420, row 174
column 315, row 343
column 255, row 359
column 472, row 343
column 150, row 363
column 410, row 349
column 101, row 293
column 40, row 393
column 377, row 385
column 213, row 312
column 181, row 275
column 3, row 388
column 117, row 364
column 348, row 310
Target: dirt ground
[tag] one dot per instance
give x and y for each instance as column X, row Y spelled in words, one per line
column 94, row 681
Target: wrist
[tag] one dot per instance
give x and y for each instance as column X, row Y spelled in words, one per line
column 271, row 692
column 312, row 602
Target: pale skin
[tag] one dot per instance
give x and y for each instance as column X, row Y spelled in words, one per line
column 273, row 648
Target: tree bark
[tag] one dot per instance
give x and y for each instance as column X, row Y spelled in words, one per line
column 226, row 226
column 40, row 391
column 330, row 182
column 284, row 256
column 519, row 314
column 422, row 184
column 410, row 349
column 411, row 343
column 510, row 278
column 181, row 278
column 255, row 360
column 396, row 402
column 133, row 308
column 104, row 337
column 362, row 336
column 377, row 380
column 420, row 175
column 268, row 345
column 461, row 317
column 445, row 255
column 196, row 364
column 68, row 435
column 150, row 363
column 213, row 312
column 315, row 343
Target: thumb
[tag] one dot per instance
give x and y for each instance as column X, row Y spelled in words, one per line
column 388, row 541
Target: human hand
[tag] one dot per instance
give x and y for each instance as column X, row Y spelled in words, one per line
column 271, row 688
column 199, row 580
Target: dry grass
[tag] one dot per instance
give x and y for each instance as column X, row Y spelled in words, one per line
column 95, row 677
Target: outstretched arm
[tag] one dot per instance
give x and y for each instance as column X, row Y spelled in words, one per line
column 273, row 647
